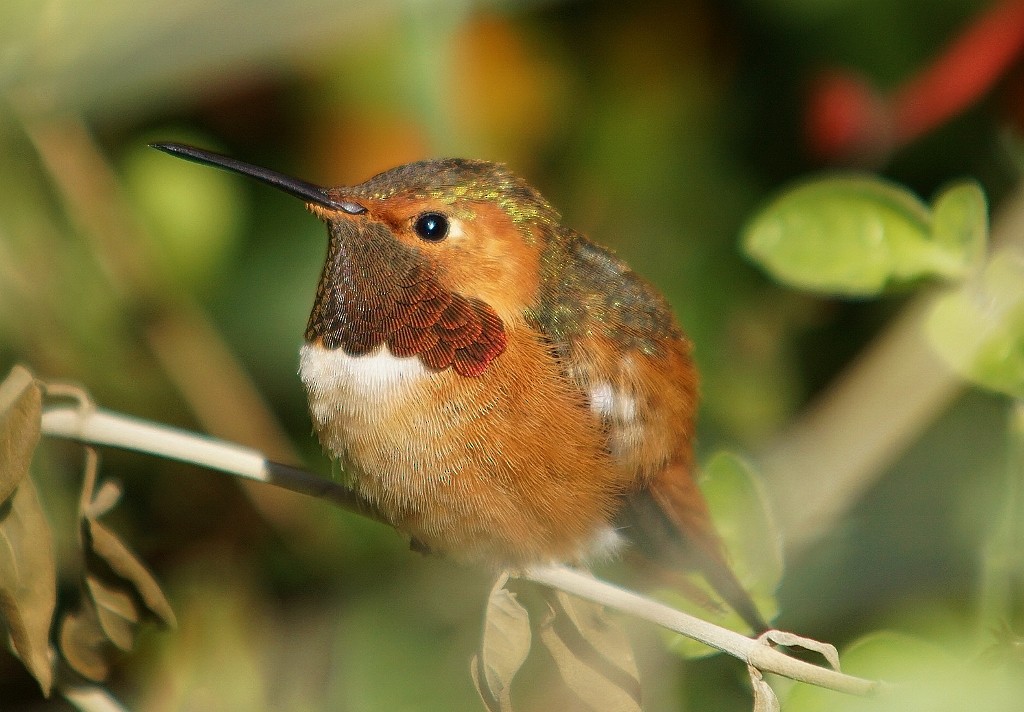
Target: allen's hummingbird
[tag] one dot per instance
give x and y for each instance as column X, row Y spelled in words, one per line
column 499, row 387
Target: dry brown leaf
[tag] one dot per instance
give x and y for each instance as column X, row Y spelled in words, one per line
column 116, row 609
column 84, row 644
column 105, row 499
column 20, row 417
column 28, row 581
column 123, row 562
column 593, row 654
column 791, row 640
column 765, row 699
column 503, row 649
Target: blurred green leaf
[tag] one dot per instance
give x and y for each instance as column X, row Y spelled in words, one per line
column 194, row 216
column 960, row 222
column 979, row 328
column 752, row 541
column 855, row 235
column 920, row 674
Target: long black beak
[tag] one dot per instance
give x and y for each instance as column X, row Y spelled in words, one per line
column 299, row 188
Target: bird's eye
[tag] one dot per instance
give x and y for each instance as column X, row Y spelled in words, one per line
column 432, row 227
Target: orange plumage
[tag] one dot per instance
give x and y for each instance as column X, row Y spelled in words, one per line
column 500, row 388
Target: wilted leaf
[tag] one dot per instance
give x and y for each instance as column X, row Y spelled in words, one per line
column 116, row 609
column 765, row 699
column 28, row 580
column 854, row 235
column 106, row 545
column 593, row 654
column 105, row 499
column 752, row 541
column 20, row 414
column 979, row 328
column 503, row 650
column 83, row 642
column 791, row 640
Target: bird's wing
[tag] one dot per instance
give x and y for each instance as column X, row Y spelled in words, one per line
column 617, row 339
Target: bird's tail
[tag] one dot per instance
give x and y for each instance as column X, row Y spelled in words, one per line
column 674, row 522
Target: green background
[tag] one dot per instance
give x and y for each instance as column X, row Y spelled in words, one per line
column 180, row 294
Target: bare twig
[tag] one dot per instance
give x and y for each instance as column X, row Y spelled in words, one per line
column 101, row 427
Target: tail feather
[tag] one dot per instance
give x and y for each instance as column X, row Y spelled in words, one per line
column 672, row 520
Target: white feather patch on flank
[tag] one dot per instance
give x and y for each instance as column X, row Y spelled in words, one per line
column 608, row 402
column 605, row 544
column 602, row 400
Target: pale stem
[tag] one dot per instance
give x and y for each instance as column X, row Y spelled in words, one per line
column 101, row 427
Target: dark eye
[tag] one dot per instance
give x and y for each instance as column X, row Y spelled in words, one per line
column 432, row 226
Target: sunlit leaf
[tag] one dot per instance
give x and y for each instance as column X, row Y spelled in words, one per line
column 960, row 223
column 503, row 649
column 84, row 644
column 753, row 544
column 979, row 328
column 28, row 580
column 855, row 235
column 126, row 565
column 593, row 654
column 20, row 412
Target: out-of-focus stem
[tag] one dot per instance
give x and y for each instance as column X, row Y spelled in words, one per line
column 1001, row 598
column 821, row 465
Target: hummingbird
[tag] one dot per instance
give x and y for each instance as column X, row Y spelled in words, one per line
column 503, row 390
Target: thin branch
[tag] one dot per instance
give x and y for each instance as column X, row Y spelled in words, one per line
column 749, row 650
column 100, row 427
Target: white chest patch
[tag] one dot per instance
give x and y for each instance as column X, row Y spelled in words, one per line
column 337, row 381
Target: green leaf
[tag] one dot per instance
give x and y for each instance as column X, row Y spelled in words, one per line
column 740, row 510
column 921, row 675
column 855, row 235
column 503, row 649
column 960, row 225
column 979, row 328
column 593, row 654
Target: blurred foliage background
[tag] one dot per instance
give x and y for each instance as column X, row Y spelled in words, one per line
column 180, row 294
